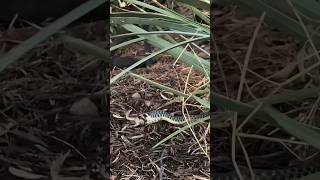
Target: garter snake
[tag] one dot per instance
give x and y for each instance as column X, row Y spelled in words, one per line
column 156, row 116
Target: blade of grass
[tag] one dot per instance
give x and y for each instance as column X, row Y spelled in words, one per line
column 113, row 48
column 290, row 96
column 159, row 33
column 16, row 53
column 180, row 130
column 84, row 46
column 202, row 4
column 205, row 103
column 161, row 22
column 151, row 56
column 186, row 57
column 174, row 15
column 294, row 128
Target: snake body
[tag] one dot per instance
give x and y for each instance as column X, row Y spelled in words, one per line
column 156, row 116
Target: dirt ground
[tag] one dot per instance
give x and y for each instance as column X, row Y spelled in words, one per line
column 272, row 52
column 132, row 156
column 52, row 121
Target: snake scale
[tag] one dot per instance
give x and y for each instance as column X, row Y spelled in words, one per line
column 156, row 116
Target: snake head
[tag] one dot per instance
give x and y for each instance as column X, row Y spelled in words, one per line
column 149, row 118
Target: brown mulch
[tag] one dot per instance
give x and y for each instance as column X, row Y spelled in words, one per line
column 47, row 128
column 131, row 146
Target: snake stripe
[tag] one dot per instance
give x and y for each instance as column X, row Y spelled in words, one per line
column 156, row 116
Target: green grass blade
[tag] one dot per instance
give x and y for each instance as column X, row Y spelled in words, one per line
column 202, row 4
column 186, row 57
column 86, row 47
column 294, row 128
column 16, row 53
column 174, row 15
column 149, row 57
column 204, row 103
column 180, row 130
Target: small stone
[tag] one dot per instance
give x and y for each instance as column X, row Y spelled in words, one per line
column 136, row 96
column 136, row 81
column 148, row 103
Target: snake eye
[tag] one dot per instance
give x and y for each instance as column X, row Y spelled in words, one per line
column 144, row 115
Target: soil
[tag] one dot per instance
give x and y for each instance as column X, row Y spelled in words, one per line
column 53, row 111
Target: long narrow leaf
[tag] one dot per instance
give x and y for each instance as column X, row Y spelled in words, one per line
column 186, row 57
column 180, row 130
column 14, row 54
column 294, row 128
column 149, row 57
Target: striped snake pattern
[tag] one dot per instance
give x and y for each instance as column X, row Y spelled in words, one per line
column 156, row 116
